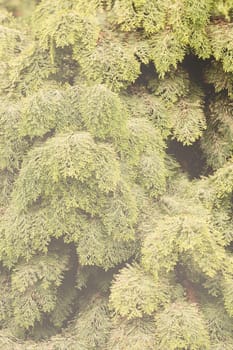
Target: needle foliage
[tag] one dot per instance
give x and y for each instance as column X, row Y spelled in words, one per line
column 108, row 241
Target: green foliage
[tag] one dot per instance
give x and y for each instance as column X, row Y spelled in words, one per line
column 159, row 250
column 107, row 242
column 189, row 119
column 63, row 25
column 134, row 293
column 104, row 116
column 97, row 248
column 220, row 39
column 62, row 158
column 219, row 324
column 170, row 27
column 147, row 162
column 96, row 314
column 19, row 7
column 179, row 236
column 111, row 62
column 184, row 106
column 166, row 51
column 215, row 75
column 135, row 334
column 221, row 180
column 45, row 111
column 227, row 294
column 224, row 7
column 175, row 84
column 31, row 69
column 34, row 287
column 181, row 326
column 217, row 143
column 12, row 144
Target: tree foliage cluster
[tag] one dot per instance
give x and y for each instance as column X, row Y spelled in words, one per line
column 107, row 242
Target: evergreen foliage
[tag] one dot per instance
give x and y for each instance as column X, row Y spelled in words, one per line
column 107, row 241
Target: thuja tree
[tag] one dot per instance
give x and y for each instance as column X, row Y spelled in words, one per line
column 107, row 239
